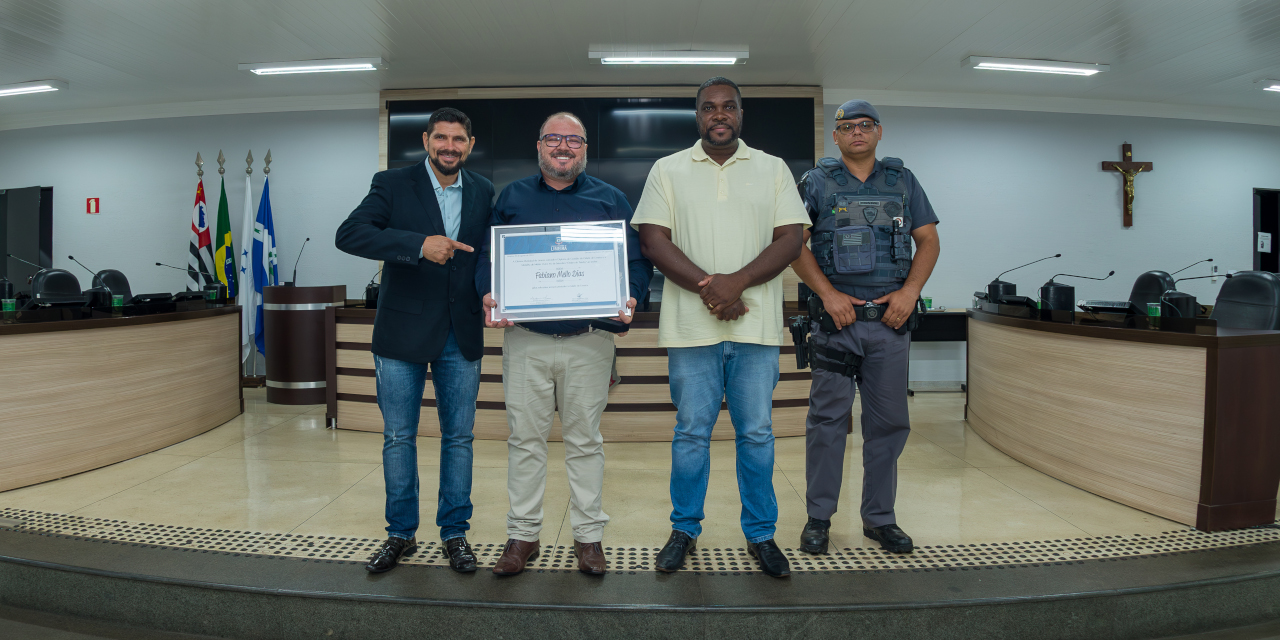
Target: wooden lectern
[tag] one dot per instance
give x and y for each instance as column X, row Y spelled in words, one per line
column 293, row 323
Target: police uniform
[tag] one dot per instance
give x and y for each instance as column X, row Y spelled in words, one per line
column 861, row 240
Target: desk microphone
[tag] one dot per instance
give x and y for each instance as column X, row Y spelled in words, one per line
column 998, row 288
column 295, row 264
column 1189, row 266
column 161, row 264
column 24, row 261
column 1061, row 297
column 1085, row 277
column 1177, row 304
column 219, row 289
column 73, row 259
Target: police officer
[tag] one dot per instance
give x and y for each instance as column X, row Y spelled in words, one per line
column 866, row 213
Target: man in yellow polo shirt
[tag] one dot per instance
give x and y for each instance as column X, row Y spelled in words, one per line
column 721, row 221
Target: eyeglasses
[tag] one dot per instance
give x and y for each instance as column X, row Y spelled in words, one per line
column 573, row 142
column 866, row 126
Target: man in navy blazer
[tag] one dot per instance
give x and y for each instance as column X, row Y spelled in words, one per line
column 423, row 223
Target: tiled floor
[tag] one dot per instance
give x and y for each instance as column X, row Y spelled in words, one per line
column 278, row 469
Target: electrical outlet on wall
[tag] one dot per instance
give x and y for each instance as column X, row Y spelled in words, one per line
column 1214, row 273
column 1264, row 242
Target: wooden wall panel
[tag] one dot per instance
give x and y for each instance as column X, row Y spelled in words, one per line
column 78, row 400
column 1124, row 420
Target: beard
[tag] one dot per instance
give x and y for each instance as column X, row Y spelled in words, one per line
column 705, row 133
column 446, row 171
column 568, row 174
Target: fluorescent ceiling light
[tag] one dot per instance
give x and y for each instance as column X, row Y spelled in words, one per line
column 35, row 86
column 311, row 66
column 1270, row 85
column 669, row 57
column 1035, row 66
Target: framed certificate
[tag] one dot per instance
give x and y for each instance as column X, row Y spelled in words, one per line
column 560, row 271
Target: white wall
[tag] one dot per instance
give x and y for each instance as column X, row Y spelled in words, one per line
column 144, row 173
column 1013, row 186
column 1008, row 186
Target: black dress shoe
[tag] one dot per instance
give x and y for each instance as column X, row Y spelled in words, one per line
column 461, row 558
column 772, row 561
column 891, row 538
column 671, row 558
column 390, row 553
column 815, row 537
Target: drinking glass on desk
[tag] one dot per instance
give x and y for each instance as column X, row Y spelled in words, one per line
column 9, row 307
column 117, row 304
column 1153, row 314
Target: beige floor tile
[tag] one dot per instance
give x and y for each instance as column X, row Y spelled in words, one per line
column 919, row 453
column 236, row 494
column 638, row 502
column 1096, row 515
column 946, row 506
column 238, row 429
column 74, row 492
column 305, row 438
column 962, row 441
column 655, row 456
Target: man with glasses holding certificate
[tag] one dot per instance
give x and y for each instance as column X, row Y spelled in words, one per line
column 562, row 364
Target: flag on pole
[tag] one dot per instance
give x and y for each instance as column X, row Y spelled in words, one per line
column 246, row 295
column 200, row 260
column 264, row 260
column 225, row 255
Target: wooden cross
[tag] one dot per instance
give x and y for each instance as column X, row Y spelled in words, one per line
column 1129, row 169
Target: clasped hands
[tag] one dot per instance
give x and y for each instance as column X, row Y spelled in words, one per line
column 722, row 294
column 897, row 307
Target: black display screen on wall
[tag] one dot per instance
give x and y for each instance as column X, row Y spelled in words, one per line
column 625, row 135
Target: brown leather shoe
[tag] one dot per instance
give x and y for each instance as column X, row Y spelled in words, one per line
column 590, row 557
column 514, row 556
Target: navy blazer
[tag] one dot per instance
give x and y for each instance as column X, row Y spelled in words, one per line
column 420, row 300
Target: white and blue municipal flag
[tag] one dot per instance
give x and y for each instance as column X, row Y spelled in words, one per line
column 265, row 273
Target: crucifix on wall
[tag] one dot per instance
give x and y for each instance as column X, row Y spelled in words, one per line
column 1130, row 170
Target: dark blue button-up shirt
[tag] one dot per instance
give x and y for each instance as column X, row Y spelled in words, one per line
column 589, row 199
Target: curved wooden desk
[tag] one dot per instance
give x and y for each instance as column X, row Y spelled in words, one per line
column 639, row 409
column 81, row 394
column 1183, row 426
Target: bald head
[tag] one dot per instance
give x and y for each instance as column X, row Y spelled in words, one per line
column 563, row 115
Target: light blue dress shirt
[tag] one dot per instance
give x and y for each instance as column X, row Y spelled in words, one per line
column 450, row 200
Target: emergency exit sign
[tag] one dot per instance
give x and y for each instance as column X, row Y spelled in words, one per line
column 91, row 206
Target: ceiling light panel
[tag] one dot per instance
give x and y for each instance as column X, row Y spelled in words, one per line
column 1270, row 85
column 311, row 66
column 668, row 57
column 1035, row 66
column 35, row 86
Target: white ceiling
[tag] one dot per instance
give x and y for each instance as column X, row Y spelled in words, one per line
column 1190, row 54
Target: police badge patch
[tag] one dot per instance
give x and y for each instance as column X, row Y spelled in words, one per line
column 870, row 214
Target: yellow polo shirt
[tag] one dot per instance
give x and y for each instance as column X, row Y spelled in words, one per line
column 722, row 217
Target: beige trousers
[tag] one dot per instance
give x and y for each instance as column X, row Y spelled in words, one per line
column 540, row 373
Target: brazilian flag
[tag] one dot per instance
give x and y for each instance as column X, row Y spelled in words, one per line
column 224, row 256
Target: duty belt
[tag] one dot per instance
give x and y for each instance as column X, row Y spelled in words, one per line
column 845, row 363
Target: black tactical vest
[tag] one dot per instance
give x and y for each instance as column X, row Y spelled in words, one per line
column 862, row 236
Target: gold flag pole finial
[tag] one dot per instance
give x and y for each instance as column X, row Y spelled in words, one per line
column 248, row 160
column 199, row 166
column 266, row 170
column 221, row 161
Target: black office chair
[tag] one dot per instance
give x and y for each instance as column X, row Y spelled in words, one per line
column 1149, row 287
column 55, row 287
column 1249, row 300
column 114, row 281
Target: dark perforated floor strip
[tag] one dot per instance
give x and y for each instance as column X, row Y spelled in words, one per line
column 625, row 559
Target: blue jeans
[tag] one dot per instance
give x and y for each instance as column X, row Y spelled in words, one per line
column 744, row 375
column 400, row 385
